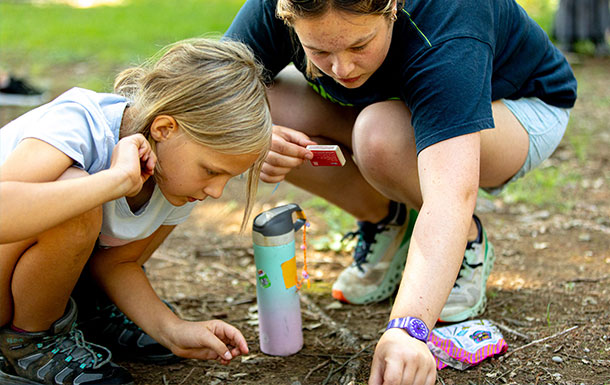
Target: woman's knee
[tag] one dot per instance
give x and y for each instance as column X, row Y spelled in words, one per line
column 383, row 136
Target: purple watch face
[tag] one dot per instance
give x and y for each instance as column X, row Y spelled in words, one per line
column 417, row 328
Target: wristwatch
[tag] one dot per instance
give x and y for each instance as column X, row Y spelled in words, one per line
column 412, row 325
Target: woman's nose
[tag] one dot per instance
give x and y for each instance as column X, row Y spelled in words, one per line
column 342, row 65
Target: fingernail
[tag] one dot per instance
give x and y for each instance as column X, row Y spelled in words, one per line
column 228, row 356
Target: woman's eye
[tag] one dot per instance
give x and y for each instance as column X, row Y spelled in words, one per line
column 359, row 48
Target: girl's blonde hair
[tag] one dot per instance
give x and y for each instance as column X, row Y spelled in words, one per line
column 291, row 10
column 214, row 91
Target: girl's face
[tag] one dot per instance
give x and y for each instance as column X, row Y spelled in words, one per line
column 192, row 171
column 347, row 47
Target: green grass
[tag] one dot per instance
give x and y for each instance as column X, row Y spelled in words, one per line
column 544, row 187
column 107, row 36
column 52, row 34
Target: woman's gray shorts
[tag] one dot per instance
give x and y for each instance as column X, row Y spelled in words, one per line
column 545, row 126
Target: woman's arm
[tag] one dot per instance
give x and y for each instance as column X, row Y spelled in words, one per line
column 118, row 271
column 32, row 199
column 449, row 180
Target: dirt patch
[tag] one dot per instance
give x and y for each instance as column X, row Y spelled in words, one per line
column 552, row 273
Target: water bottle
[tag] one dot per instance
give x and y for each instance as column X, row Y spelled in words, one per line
column 279, row 308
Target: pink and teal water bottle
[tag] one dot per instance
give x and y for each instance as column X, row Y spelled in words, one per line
column 279, row 308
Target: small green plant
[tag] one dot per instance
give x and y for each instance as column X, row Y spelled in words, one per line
column 338, row 221
column 548, row 314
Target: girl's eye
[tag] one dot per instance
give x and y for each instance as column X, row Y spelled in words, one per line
column 210, row 172
column 359, row 48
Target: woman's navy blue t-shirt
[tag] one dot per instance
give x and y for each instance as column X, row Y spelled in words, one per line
column 448, row 60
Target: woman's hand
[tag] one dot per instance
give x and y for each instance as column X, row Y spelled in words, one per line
column 208, row 340
column 402, row 360
column 287, row 152
column 134, row 157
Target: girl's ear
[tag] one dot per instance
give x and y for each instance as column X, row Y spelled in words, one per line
column 163, row 127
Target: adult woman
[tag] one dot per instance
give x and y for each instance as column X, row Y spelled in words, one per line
column 410, row 90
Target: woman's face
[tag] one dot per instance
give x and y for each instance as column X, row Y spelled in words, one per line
column 192, row 171
column 347, row 47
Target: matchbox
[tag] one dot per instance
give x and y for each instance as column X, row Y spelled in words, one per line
column 326, row 155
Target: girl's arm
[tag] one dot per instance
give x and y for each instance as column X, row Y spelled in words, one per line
column 118, row 271
column 449, row 180
column 32, row 199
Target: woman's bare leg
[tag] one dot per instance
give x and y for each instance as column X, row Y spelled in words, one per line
column 295, row 105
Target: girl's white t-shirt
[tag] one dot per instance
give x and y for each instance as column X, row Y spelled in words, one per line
column 85, row 125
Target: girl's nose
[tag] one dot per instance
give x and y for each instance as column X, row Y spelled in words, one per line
column 216, row 187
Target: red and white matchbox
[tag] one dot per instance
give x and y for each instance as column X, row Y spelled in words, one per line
column 326, row 155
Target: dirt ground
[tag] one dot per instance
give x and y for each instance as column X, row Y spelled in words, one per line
column 549, row 291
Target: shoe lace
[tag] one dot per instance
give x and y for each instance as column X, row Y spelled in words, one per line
column 470, row 251
column 366, row 234
column 117, row 316
column 70, row 344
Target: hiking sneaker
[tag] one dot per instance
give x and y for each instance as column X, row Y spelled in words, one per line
column 111, row 327
column 379, row 259
column 19, row 93
column 59, row 355
column 467, row 298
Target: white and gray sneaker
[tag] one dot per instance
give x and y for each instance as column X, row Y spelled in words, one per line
column 379, row 258
column 467, row 298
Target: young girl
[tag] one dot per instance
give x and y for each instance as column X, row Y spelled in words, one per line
column 410, row 89
column 77, row 172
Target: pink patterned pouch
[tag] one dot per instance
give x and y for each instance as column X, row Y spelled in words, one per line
column 465, row 344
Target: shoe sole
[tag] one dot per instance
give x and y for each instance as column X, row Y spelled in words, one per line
column 9, row 379
column 390, row 281
column 480, row 306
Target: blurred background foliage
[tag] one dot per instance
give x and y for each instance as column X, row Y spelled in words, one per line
column 37, row 35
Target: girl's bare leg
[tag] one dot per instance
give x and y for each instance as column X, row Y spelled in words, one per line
column 38, row 275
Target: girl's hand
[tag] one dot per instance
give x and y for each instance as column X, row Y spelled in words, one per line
column 287, row 152
column 134, row 157
column 402, row 360
column 208, row 340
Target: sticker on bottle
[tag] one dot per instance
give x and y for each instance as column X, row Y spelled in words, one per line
column 263, row 279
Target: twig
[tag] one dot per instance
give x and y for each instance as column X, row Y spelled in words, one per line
column 586, row 279
column 349, row 377
column 438, row 377
column 331, row 372
column 187, row 376
column 512, row 331
column 345, row 334
column 515, row 322
column 167, row 258
column 234, row 273
column 538, row 341
column 320, row 366
column 334, row 371
column 165, row 380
